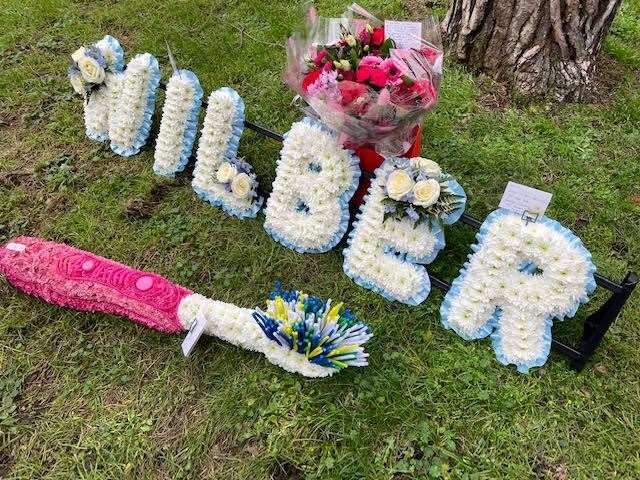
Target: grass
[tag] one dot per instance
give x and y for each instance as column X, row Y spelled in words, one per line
column 93, row 396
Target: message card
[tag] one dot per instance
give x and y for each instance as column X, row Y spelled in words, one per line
column 404, row 34
column 528, row 202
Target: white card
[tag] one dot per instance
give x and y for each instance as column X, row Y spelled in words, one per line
column 196, row 331
column 405, row 34
column 525, row 201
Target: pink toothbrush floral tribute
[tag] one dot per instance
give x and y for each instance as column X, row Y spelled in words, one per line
column 77, row 279
column 298, row 332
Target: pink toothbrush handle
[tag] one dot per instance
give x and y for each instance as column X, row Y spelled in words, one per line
column 69, row 277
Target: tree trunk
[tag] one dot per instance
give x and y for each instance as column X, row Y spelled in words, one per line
column 539, row 47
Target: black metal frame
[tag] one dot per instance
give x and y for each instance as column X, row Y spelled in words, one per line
column 595, row 326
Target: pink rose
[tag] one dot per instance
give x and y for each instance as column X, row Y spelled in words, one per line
column 378, row 77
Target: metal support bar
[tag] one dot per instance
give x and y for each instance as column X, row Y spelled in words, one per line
column 595, row 326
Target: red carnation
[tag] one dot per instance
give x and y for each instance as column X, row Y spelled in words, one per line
column 351, row 90
column 310, row 79
column 378, row 77
column 377, row 37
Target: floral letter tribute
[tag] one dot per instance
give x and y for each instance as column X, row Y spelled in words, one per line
column 131, row 125
column 298, row 332
column 219, row 177
column 399, row 228
column 308, row 210
column 520, row 276
column 94, row 72
column 179, row 123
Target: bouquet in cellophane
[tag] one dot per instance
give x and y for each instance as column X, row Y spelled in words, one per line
column 370, row 80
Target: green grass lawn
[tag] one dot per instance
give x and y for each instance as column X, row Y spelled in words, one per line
column 94, row 396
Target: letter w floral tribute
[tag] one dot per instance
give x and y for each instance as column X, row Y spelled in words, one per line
column 95, row 73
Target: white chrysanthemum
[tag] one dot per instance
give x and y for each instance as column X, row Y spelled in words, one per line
column 531, row 273
column 236, row 325
column 315, row 178
column 131, row 124
column 98, row 107
column 179, row 123
column 375, row 256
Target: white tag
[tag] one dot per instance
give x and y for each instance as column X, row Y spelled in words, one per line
column 195, row 332
column 16, row 247
column 404, row 34
column 527, row 202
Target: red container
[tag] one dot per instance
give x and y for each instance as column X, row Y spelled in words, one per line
column 370, row 160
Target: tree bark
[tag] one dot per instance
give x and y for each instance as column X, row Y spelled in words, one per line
column 540, row 47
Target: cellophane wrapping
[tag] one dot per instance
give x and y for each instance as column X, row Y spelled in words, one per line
column 361, row 82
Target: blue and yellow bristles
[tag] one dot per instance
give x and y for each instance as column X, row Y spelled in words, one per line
column 329, row 336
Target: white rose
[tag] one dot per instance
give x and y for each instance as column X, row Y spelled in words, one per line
column 241, row 186
column 431, row 168
column 91, row 70
column 399, row 183
column 77, row 83
column 78, row 54
column 226, row 172
column 426, row 192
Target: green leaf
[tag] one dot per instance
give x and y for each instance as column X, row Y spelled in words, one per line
column 386, row 46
